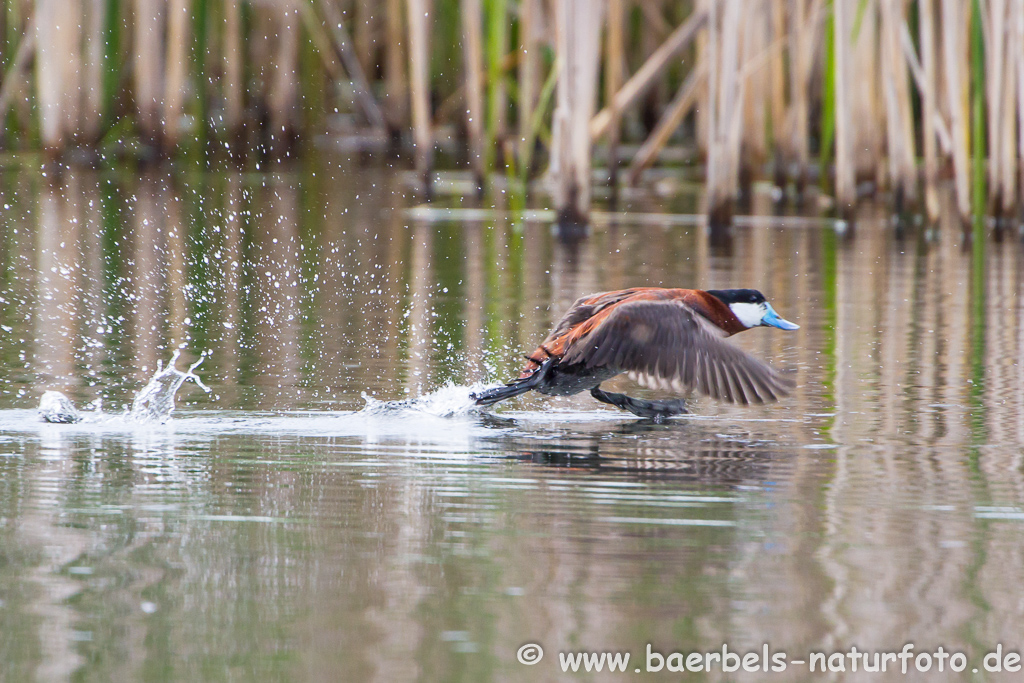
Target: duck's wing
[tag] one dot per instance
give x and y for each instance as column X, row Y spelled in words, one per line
column 665, row 344
column 585, row 308
column 580, row 316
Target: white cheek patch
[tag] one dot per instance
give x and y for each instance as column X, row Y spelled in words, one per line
column 748, row 314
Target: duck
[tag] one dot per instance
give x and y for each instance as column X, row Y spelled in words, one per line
column 669, row 339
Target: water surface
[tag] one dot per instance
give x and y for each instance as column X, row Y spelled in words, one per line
column 294, row 524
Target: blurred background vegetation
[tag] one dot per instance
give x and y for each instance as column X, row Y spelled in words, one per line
column 853, row 96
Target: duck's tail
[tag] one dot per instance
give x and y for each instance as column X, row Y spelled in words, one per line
column 520, row 386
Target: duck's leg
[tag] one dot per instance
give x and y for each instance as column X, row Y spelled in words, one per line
column 520, row 386
column 655, row 410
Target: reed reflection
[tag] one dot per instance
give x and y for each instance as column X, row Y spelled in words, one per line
column 274, row 293
column 145, row 273
column 473, row 312
column 228, row 280
column 57, row 296
column 420, row 293
column 904, row 355
column 880, row 503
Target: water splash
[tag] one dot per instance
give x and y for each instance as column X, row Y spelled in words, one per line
column 155, row 401
column 57, row 408
column 450, row 400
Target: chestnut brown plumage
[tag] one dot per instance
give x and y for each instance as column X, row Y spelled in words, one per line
column 671, row 339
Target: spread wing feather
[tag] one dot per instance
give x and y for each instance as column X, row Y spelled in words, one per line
column 665, row 344
column 585, row 308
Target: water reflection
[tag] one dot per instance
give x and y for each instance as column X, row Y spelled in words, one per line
column 272, row 532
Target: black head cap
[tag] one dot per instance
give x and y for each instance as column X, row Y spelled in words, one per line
column 737, row 296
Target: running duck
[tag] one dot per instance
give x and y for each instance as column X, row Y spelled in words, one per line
column 671, row 339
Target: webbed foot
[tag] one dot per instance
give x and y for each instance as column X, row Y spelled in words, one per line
column 653, row 410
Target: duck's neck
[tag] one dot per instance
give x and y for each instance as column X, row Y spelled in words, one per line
column 714, row 309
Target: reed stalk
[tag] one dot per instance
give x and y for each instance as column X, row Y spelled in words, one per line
column 651, row 40
column 899, row 123
column 1007, row 140
column 282, row 96
column 578, row 44
column 657, row 26
column 993, row 25
column 647, row 75
column 497, row 89
column 702, row 113
column 711, row 56
column 472, row 31
column 364, row 25
column 16, row 74
column 1018, row 52
column 69, row 39
column 977, row 116
column 777, row 87
column 929, row 106
column 536, row 123
column 322, row 42
column 147, row 70
column 954, row 53
column 757, row 83
column 93, row 69
column 115, row 56
column 804, row 22
column 176, row 64
column 1001, row 94
column 845, row 189
column 762, row 68
column 343, row 45
column 677, row 110
column 232, row 84
column 615, row 62
column 5, row 39
column 419, row 70
column 51, row 74
column 726, row 98
column 530, row 22
column 826, row 153
column 865, row 99
column 202, row 54
column 732, row 116
column 396, row 98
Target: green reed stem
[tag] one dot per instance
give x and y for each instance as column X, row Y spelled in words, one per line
column 547, row 91
column 496, row 48
column 858, row 20
column 828, row 104
column 111, row 60
column 977, row 116
column 203, row 18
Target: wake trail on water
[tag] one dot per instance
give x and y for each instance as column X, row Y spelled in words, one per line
column 451, row 400
column 154, row 403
